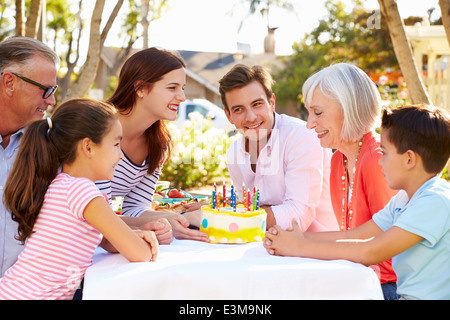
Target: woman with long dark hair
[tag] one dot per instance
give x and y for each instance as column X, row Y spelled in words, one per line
column 150, row 89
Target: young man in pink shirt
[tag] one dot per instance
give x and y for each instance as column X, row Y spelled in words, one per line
column 276, row 154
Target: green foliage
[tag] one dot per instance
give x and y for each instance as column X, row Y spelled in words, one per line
column 306, row 61
column 264, row 7
column 342, row 36
column 445, row 174
column 199, row 154
column 394, row 95
column 6, row 23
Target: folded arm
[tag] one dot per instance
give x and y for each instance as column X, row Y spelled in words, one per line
column 367, row 244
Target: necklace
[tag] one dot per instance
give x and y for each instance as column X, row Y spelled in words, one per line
column 348, row 214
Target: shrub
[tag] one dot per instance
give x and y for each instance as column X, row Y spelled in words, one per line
column 199, row 153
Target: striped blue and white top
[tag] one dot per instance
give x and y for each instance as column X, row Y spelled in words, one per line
column 132, row 182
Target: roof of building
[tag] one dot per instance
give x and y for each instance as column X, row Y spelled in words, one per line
column 209, row 67
column 212, row 66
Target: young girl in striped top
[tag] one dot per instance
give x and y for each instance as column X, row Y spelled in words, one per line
column 61, row 214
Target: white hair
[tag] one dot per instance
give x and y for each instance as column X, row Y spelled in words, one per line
column 357, row 95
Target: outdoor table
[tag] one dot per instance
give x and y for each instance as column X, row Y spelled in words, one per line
column 191, row 270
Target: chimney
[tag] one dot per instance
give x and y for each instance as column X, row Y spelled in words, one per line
column 269, row 41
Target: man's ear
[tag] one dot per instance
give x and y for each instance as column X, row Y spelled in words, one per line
column 8, row 83
column 272, row 102
column 227, row 113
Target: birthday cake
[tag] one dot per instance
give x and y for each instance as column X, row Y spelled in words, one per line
column 233, row 225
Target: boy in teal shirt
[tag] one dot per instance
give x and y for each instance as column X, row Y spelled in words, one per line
column 414, row 227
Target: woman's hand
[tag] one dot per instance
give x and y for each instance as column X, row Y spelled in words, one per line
column 194, row 217
column 162, row 229
column 180, row 227
column 193, row 206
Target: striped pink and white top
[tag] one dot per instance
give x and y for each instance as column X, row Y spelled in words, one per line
column 60, row 248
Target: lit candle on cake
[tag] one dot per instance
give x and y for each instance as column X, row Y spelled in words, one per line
column 232, row 199
column 213, row 200
column 248, row 201
column 257, row 200
column 224, row 194
column 218, row 200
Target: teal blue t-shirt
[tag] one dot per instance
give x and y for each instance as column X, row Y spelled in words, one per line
column 423, row 271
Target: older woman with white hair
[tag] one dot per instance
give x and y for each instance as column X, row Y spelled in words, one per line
column 344, row 109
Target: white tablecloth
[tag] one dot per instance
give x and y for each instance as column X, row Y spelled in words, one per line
column 196, row 270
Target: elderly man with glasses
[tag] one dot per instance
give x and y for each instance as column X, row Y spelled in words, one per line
column 27, row 83
column 48, row 91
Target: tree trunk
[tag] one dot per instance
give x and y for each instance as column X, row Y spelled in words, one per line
column 110, row 21
column 32, row 25
column 89, row 70
column 445, row 13
column 20, row 14
column 64, row 83
column 403, row 52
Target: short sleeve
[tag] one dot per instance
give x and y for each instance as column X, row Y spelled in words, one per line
column 427, row 218
column 80, row 192
column 105, row 188
column 385, row 218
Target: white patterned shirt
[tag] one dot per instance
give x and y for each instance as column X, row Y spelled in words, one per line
column 132, row 182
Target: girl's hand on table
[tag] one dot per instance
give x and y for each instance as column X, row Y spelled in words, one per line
column 149, row 237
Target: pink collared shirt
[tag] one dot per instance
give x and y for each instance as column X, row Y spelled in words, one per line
column 292, row 175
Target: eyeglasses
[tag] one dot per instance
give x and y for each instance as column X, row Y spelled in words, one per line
column 48, row 91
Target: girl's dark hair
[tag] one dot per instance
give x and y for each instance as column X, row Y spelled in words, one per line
column 142, row 70
column 43, row 149
column 423, row 129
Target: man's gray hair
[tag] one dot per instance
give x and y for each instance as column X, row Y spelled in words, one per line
column 18, row 50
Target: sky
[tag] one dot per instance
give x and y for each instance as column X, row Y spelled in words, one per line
column 213, row 25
